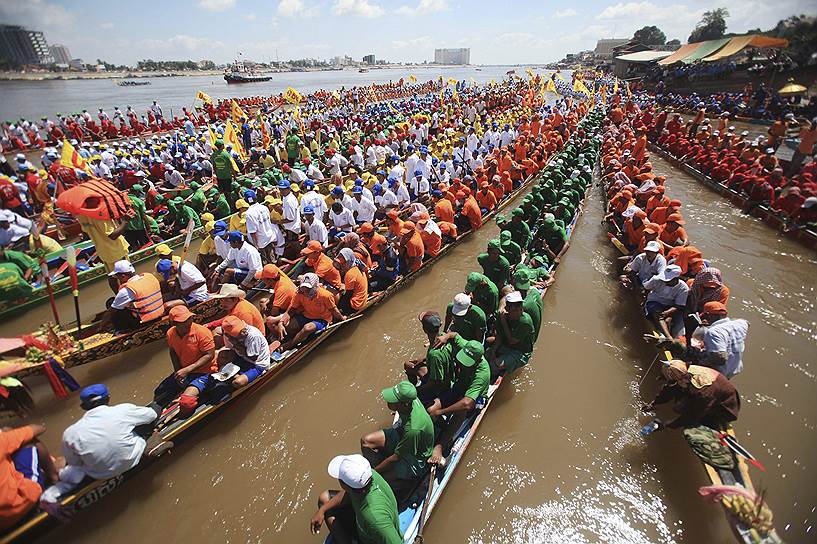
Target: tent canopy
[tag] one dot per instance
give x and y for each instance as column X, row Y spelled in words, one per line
column 706, row 49
column 644, row 56
column 739, row 43
column 681, row 53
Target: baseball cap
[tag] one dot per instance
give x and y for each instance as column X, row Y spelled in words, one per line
column 353, row 470
column 219, row 227
column 235, row 236
column 269, row 272
column 232, row 325
column 670, row 272
column 521, row 280
column 249, row 194
column 309, row 209
column 494, row 244
column 163, row 249
column 461, row 304
column 312, row 247
column 408, row 227
column 514, row 296
column 122, row 267
column 309, row 280
column 470, row 354
column 284, row 184
column 180, row 314
column 402, row 392
column 365, row 228
column 652, row 246
column 714, row 307
column 164, row 266
column 471, row 282
column 94, row 392
column 432, row 319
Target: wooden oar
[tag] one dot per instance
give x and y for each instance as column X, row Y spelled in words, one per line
column 38, row 243
column 420, row 526
column 71, row 260
column 191, row 226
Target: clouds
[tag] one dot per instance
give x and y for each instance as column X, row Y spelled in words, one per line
column 413, row 43
column 564, row 13
column 357, row 8
column 424, row 7
column 295, row 8
column 216, row 5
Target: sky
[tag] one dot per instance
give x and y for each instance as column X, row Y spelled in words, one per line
column 497, row 31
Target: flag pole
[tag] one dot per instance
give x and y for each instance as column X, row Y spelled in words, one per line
column 71, row 259
column 38, row 243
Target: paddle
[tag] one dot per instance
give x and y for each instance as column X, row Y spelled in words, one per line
column 71, row 260
column 38, row 243
column 191, row 226
column 419, row 538
column 731, row 442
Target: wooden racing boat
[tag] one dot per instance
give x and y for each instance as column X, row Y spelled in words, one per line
column 91, row 491
column 738, row 476
column 806, row 236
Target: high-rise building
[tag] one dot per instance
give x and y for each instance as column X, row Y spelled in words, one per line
column 452, row 56
column 60, row 53
column 368, row 59
column 23, row 46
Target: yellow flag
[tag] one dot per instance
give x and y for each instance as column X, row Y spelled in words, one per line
column 204, row 97
column 493, row 83
column 412, row 78
column 550, row 86
column 529, row 72
column 296, row 113
column 213, row 139
column 236, row 112
column 452, row 81
column 456, row 95
column 473, row 81
column 231, row 137
column 627, row 88
column 442, row 96
column 615, row 87
column 72, row 159
column 292, row 96
column 560, row 76
column 392, row 108
column 580, row 87
column 604, row 95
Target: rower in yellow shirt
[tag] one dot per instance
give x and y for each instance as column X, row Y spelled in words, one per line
column 237, row 220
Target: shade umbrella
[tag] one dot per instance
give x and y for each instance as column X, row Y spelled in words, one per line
column 791, row 88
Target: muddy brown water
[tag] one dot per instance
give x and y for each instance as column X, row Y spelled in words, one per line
column 558, row 458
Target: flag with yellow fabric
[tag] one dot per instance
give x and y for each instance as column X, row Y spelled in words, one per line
column 213, row 139
column 627, row 88
column 204, row 97
column 604, row 95
column 580, row 87
column 231, row 138
column 551, row 86
column 529, row 72
column 265, row 138
column 412, row 78
column 560, row 76
column 452, row 81
column 615, row 87
column 72, row 159
column 236, row 112
column 292, row 96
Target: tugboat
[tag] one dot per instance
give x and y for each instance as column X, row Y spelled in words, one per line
column 239, row 73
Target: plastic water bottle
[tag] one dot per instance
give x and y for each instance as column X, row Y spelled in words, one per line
column 651, row 427
column 480, row 404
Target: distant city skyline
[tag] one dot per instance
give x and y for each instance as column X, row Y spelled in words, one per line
column 523, row 31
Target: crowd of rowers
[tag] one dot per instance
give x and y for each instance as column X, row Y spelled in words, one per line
column 748, row 166
column 179, row 178
column 684, row 297
column 487, row 331
column 83, row 128
column 336, row 281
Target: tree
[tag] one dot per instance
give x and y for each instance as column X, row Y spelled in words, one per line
column 674, row 42
column 711, row 26
column 650, row 35
column 801, row 31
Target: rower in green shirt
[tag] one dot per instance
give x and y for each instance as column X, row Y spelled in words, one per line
column 520, row 231
column 483, row 292
column 181, row 214
column 435, row 373
column 28, row 267
column 221, row 208
column 222, row 166
column 293, row 145
column 197, row 199
column 365, row 507
column 494, row 265
column 400, row 453
column 510, row 249
column 513, row 343
column 465, row 318
column 531, row 299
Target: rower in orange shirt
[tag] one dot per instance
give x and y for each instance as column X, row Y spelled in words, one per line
column 394, row 221
column 355, row 283
column 321, row 264
column 497, row 188
column 411, row 248
column 443, row 209
column 431, row 235
column 673, row 234
column 470, row 209
column 485, row 198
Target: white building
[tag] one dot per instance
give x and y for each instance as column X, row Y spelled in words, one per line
column 60, row 53
column 452, row 56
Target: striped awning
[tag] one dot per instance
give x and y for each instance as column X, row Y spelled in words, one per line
column 706, row 49
column 739, row 43
column 681, row 54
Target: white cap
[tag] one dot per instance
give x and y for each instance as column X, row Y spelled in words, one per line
column 6, row 215
column 20, row 157
column 513, row 296
column 309, row 280
column 461, row 304
column 652, row 246
column 122, row 267
column 671, row 272
column 140, row 174
column 810, row 202
column 353, row 470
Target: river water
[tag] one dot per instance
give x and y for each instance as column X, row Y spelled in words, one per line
column 558, row 458
column 34, row 99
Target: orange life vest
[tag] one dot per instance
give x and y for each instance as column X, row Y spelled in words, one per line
column 147, row 303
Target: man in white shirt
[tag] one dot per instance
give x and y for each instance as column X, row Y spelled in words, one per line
column 312, row 171
column 192, row 285
column 366, row 192
column 241, row 264
column 259, row 227
column 362, row 208
column 314, row 199
column 397, row 170
column 106, row 442
column 246, row 348
column 315, row 229
column 401, row 192
column 472, row 142
column 667, row 294
column 419, row 185
column 645, row 265
column 724, row 340
column 172, row 176
column 384, row 199
column 335, row 162
column 343, row 220
column 13, row 227
column 291, row 220
column 506, row 136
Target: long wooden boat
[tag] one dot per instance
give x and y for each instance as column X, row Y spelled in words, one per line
column 90, row 492
column 806, row 236
column 412, row 515
column 738, row 476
